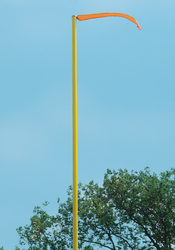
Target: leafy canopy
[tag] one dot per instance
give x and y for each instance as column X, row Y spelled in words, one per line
column 129, row 211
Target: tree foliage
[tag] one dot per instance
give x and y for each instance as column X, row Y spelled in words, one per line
column 148, row 201
column 129, row 211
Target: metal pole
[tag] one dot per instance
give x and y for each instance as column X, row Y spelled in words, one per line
column 75, row 155
column 74, row 112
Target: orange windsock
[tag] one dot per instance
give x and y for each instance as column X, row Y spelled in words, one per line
column 99, row 15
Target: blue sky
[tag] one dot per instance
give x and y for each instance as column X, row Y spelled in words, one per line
column 126, row 104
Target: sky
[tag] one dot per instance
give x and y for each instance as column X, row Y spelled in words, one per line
column 126, row 101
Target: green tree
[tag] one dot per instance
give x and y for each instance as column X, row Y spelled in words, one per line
column 148, row 201
column 44, row 232
column 130, row 211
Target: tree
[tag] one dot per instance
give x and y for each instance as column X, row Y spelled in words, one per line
column 99, row 225
column 148, row 201
column 130, row 211
column 44, row 232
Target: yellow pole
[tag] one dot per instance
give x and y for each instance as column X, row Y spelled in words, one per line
column 74, row 113
column 75, row 155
